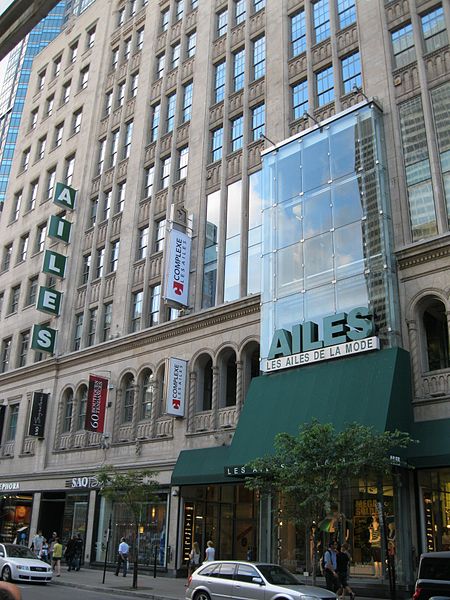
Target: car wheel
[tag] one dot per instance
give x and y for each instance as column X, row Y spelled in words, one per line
column 6, row 574
column 202, row 596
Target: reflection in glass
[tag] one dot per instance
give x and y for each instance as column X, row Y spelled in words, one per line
column 289, row 270
column 288, row 173
column 289, row 222
column 315, row 163
column 348, row 250
column 318, row 260
column 211, row 249
column 346, row 199
column 318, row 303
column 351, row 292
column 288, row 312
column 317, row 214
column 343, row 140
column 232, row 271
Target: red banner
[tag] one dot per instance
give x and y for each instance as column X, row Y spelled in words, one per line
column 96, row 404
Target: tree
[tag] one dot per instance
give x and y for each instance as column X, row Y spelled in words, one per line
column 308, row 469
column 133, row 488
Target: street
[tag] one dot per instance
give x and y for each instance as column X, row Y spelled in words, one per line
column 55, row 592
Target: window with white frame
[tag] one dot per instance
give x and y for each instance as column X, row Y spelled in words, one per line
column 59, row 130
column 216, row 144
column 57, row 66
column 259, row 57
column 403, row 46
column 17, row 202
column 139, row 39
column 156, row 113
column 41, row 147
column 155, row 300
column 73, row 52
column 127, row 140
column 187, row 101
column 171, row 107
column 85, row 269
column 90, row 37
column 325, row 86
column 258, row 121
column 298, row 33
column 134, row 85
column 237, row 133
column 222, row 22
column 76, row 121
column 191, row 44
column 165, row 19
column 107, row 319
column 149, row 180
column 219, row 81
column 160, row 229
column 120, row 93
column 40, row 237
column 101, row 156
column 108, row 103
column 107, row 199
column 78, row 331
column 136, row 310
column 23, row 248
column 126, row 49
column 50, row 184
column 142, row 243
column 69, row 167
column 25, row 159
column 121, row 193
column 114, row 256
column 434, row 30
column 160, row 64
column 176, row 53
column 239, row 11
column 100, row 262
column 34, row 188
column 165, row 172
column 84, row 78
column 183, row 159
column 238, row 70
column 92, row 326
column 114, row 147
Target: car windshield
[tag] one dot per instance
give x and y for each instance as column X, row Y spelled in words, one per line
column 278, row 575
column 14, row 551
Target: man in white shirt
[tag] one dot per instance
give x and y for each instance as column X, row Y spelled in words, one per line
column 36, row 543
column 122, row 557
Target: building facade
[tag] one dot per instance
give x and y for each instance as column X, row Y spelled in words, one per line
column 299, row 151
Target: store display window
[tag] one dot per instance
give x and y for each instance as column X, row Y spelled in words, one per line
column 15, row 516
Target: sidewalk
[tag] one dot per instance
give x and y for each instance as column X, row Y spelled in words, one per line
column 159, row 588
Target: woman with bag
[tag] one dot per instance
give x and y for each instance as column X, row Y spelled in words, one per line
column 194, row 559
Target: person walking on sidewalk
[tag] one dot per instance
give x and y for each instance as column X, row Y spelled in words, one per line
column 194, row 559
column 343, row 570
column 69, row 554
column 210, row 551
column 56, row 558
column 122, row 557
column 330, row 560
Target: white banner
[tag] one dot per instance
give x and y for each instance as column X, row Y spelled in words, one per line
column 176, row 387
column 176, row 277
column 326, row 353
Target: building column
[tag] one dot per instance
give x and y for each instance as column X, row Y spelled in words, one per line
column 35, row 515
column 215, row 398
column 89, row 527
column 239, row 387
column 415, row 357
column 191, row 401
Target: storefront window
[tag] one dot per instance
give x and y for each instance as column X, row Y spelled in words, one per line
column 15, row 511
column 435, row 514
column 151, row 538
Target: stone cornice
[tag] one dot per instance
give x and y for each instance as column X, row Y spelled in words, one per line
column 423, row 252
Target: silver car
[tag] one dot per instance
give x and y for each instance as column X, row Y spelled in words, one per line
column 239, row 580
column 18, row 563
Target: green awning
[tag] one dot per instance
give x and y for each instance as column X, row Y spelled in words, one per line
column 372, row 389
column 433, row 449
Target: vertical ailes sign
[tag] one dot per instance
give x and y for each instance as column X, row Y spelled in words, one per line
column 96, row 404
column 49, row 300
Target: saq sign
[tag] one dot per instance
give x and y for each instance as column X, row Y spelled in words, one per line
column 342, row 335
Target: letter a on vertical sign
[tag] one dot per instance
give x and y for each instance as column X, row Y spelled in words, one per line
column 96, row 405
column 43, row 339
column 54, row 263
column 65, row 196
column 59, row 229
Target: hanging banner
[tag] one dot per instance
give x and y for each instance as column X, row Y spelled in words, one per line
column 96, row 404
column 176, row 387
column 38, row 414
column 176, row 277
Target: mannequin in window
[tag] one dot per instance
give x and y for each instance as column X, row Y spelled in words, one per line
column 375, row 544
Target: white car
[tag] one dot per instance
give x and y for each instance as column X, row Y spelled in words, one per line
column 18, row 563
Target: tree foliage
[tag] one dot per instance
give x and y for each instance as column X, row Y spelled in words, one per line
column 132, row 488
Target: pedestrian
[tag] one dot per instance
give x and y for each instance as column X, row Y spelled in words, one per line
column 210, row 551
column 56, row 557
column 122, row 557
column 194, row 558
column 78, row 552
column 343, row 560
column 69, row 553
column 43, row 555
column 330, row 564
column 36, row 543
column 50, row 546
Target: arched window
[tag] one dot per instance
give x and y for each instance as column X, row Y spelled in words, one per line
column 436, row 333
column 67, row 411
column 250, row 364
column 228, row 374
column 204, row 382
column 147, row 393
column 128, row 398
column 82, row 405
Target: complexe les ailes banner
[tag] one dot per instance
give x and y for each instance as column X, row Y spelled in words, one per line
column 96, row 404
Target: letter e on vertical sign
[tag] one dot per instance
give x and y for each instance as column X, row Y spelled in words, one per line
column 38, row 414
column 176, row 387
column 96, row 404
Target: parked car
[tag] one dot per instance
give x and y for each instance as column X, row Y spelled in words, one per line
column 240, row 580
column 433, row 578
column 18, row 563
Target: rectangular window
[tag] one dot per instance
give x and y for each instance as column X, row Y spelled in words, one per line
column 49, row 105
column 191, row 44
column 6, row 353
column 321, row 18
column 219, row 82
column 101, row 156
column 107, row 197
column 165, row 172
column 120, row 93
column 211, row 250
column 183, row 159
column 107, row 318
column 40, row 237
column 73, row 52
column 34, row 188
column 85, row 269
column 149, row 179
column 24, row 344
column 239, row 68
column 14, row 300
column 100, row 262
column 239, row 11
column 179, row 9
column 233, row 242
column 134, row 85
column 90, row 38
column 237, row 133
column 12, row 424
column 84, row 78
column 298, row 33
column 41, row 81
column 59, row 130
column 258, row 5
column 33, row 284
column 93, row 212
column 217, row 142
column 127, row 141
column 25, row 159
column 403, row 46
column 114, row 57
column 346, row 13
column 121, row 17
column 57, row 66
column 440, row 99
column 165, row 19
column 50, row 186
column 222, row 22
column 92, row 326
column 34, row 118
column 41, row 148
column 126, row 49
column 142, row 243
column 187, row 102
column 171, row 106
column 114, row 147
column 155, row 299
column 351, row 72
column 66, row 92
column 23, row 248
column 132, row 8
column 160, row 64
column 76, row 121
column 259, row 57
column 258, row 121
column 7, row 254
column 176, row 53
column 69, row 166
column 114, row 256
column 136, row 310
column 155, row 122
column 78, row 332
column 434, row 30
column 121, row 193
column 140, row 39
column 160, row 228
column 325, row 86
column 16, row 206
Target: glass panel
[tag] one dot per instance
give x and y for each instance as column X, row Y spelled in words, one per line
column 349, row 250
column 343, row 140
column 315, row 163
column 289, row 222
column 288, row 312
column 288, row 173
column 347, row 206
column 318, row 260
column 317, row 214
column 351, row 292
column 232, row 273
column 318, row 303
column 289, row 270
